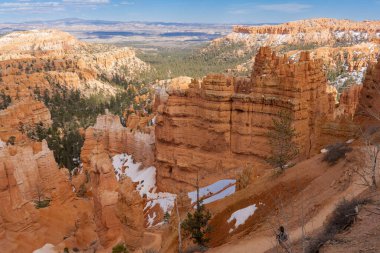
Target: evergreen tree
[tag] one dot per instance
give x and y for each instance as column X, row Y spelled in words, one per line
column 196, row 224
column 281, row 140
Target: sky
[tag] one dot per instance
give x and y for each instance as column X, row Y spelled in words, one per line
column 188, row 11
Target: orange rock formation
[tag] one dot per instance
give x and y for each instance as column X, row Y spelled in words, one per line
column 219, row 125
column 319, row 31
column 368, row 111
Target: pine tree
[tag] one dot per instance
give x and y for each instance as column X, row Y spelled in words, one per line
column 281, row 140
column 197, row 223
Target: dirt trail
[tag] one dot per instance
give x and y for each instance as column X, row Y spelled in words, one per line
column 152, row 240
column 265, row 243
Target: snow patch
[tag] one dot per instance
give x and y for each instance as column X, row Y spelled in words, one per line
column 240, row 216
column 47, row 248
column 151, row 219
column 2, row 144
column 357, row 77
column 323, row 151
column 228, row 184
column 145, row 177
column 125, row 166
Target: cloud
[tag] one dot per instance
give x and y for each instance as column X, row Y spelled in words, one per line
column 87, row 1
column 239, row 12
column 30, row 6
column 43, row 7
column 127, row 3
column 285, row 7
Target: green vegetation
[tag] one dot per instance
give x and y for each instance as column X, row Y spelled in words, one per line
column 5, row 100
column 71, row 112
column 120, row 248
column 11, row 140
column 281, row 139
column 336, row 152
column 42, row 203
column 196, row 224
column 194, row 62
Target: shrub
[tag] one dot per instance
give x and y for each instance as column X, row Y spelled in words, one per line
column 120, row 248
column 11, row 140
column 336, row 152
column 342, row 218
column 42, row 203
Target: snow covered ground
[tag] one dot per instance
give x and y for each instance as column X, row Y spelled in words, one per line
column 356, row 76
column 47, row 248
column 125, row 166
column 212, row 189
column 2, row 144
column 241, row 215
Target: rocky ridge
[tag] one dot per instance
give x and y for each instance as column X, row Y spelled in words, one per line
column 319, row 31
column 44, row 59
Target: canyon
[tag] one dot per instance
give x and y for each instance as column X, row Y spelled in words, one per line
column 139, row 169
column 42, row 60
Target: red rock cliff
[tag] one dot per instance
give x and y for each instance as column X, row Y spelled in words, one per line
column 219, row 125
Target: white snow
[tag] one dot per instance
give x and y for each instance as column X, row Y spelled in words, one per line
column 146, row 177
column 212, row 189
column 240, row 216
column 125, row 166
column 2, row 144
column 164, row 199
column 151, row 219
column 323, row 151
column 47, row 248
column 357, row 76
column 339, row 34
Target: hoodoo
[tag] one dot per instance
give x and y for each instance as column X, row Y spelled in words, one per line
column 219, row 124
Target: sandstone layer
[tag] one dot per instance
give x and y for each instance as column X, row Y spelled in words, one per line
column 318, row 31
column 47, row 59
column 218, row 125
column 368, row 110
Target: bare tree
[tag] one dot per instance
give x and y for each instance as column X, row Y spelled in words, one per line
column 368, row 166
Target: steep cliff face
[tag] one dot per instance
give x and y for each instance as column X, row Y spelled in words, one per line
column 218, row 126
column 368, row 111
column 120, row 215
column 108, row 134
column 28, row 173
column 43, row 59
column 88, row 210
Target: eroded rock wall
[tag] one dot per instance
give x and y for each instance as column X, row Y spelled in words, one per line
column 28, row 112
column 368, row 110
column 218, row 126
column 119, row 216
